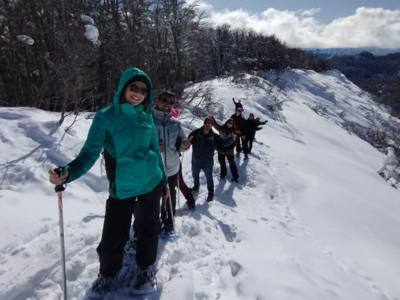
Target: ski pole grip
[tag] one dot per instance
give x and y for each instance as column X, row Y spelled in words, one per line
column 60, row 187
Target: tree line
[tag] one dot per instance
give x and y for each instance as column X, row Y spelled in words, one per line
column 61, row 69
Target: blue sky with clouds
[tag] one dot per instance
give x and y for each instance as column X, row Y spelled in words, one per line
column 312, row 23
column 329, row 9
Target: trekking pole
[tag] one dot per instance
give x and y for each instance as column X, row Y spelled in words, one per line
column 169, row 196
column 168, row 190
column 59, row 189
column 178, row 185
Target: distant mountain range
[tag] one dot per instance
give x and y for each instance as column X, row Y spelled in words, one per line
column 330, row 52
column 374, row 72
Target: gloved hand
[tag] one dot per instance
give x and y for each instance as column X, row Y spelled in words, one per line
column 57, row 178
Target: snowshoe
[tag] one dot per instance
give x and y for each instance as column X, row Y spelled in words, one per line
column 145, row 282
column 169, row 234
column 130, row 252
column 100, row 287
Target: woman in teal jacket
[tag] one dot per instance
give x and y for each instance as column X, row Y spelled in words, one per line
column 126, row 132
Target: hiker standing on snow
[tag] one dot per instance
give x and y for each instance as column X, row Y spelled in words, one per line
column 204, row 142
column 126, row 132
column 252, row 125
column 239, row 125
column 172, row 141
column 225, row 148
column 185, row 190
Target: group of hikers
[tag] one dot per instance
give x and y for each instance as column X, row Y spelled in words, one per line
column 142, row 144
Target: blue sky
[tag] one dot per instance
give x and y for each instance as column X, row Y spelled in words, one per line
column 329, row 9
column 312, row 23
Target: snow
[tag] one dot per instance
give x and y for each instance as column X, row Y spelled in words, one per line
column 87, row 20
column 310, row 218
column 92, row 33
column 26, row 39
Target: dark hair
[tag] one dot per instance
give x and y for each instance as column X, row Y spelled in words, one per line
column 208, row 119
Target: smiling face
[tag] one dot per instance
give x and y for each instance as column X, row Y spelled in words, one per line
column 135, row 92
column 165, row 103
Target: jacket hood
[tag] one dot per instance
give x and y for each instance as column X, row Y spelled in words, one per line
column 129, row 75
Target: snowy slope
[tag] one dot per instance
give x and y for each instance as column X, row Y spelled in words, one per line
column 310, row 218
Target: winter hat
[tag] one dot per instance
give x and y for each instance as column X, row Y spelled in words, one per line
column 166, row 93
column 238, row 107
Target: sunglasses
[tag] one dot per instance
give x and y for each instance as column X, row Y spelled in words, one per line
column 167, row 100
column 137, row 89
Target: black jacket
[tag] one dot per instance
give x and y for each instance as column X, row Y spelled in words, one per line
column 251, row 128
column 252, row 125
column 239, row 124
column 203, row 147
column 226, row 141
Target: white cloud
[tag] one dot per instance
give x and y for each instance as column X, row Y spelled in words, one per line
column 367, row 27
column 200, row 5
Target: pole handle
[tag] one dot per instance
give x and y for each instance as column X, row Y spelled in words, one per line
column 60, row 187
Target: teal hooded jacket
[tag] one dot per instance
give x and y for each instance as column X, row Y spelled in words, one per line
column 128, row 134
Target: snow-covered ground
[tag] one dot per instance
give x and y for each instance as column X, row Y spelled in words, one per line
column 310, row 218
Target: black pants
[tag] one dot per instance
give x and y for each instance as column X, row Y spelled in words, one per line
column 166, row 217
column 187, row 193
column 249, row 141
column 232, row 165
column 117, row 223
column 241, row 144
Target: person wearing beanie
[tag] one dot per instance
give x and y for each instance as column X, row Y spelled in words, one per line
column 204, row 142
column 252, row 125
column 239, row 125
column 125, row 131
column 225, row 148
column 172, row 141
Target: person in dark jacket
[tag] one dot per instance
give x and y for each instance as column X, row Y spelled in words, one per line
column 225, row 148
column 252, row 125
column 172, row 141
column 239, row 125
column 204, row 142
column 126, row 131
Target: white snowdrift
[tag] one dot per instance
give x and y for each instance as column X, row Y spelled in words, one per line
column 310, row 219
